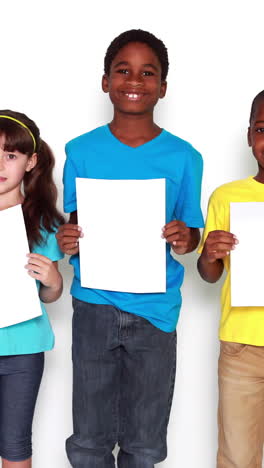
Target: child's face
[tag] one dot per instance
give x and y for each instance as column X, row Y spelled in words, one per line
column 13, row 166
column 256, row 134
column 134, row 83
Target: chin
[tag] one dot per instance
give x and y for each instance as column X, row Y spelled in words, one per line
column 133, row 110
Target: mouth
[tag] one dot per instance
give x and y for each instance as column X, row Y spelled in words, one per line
column 134, row 96
column 3, row 179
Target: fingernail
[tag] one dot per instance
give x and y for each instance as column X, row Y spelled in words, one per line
column 174, row 243
column 162, row 236
column 233, row 247
column 227, row 253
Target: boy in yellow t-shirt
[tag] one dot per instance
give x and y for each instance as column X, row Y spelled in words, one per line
column 241, row 361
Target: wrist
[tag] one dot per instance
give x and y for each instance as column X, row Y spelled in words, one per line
column 55, row 285
column 206, row 259
column 179, row 250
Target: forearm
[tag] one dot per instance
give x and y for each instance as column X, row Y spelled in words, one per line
column 210, row 272
column 68, row 236
column 73, row 218
column 50, row 294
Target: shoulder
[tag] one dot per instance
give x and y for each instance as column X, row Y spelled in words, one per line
column 227, row 192
column 180, row 145
column 85, row 140
column 183, row 154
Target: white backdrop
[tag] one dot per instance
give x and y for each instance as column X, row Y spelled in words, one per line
column 51, row 66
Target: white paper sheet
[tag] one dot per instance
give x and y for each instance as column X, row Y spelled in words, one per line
column 19, row 295
column 122, row 248
column 247, row 260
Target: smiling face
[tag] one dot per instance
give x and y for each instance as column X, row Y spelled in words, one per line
column 134, row 83
column 256, row 136
column 13, row 166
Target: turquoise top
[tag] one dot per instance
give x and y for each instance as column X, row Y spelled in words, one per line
column 35, row 335
column 100, row 155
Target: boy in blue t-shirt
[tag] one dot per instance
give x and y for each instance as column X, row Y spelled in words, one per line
column 124, row 344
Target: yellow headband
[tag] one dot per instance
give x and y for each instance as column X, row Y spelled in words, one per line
column 22, row 125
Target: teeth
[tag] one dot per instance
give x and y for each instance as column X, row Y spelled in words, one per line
column 132, row 95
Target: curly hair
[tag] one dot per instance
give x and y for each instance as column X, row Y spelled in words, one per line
column 138, row 35
column 259, row 97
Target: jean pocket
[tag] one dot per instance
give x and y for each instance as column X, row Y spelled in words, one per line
column 231, row 348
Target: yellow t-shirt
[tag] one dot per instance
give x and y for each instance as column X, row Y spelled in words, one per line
column 238, row 324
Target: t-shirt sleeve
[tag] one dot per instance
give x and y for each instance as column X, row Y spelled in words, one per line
column 49, row 247
column 69, row 177
column 188, row 207
column 215, row 219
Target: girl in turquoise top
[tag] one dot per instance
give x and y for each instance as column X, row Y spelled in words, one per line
column 26, row 158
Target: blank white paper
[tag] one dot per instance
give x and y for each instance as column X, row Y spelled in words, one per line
column 122, row 248
column 19, row 295
column 247, row 260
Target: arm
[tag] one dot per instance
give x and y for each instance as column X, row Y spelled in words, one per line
column 181, row 238
column 210, row 272
column 46, row 271
column 68, row 235
column 218, row 245
column 51, row 293
column 184, row 239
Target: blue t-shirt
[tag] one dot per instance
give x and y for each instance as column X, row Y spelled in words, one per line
column 100, row 155
column 35, row 335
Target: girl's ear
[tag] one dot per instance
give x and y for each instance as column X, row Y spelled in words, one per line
column 105, row 83
column 32, row 161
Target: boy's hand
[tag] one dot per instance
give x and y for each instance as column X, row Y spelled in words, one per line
column 218, row 244
column 68, row 238
column 44, row 270
column 180, row 237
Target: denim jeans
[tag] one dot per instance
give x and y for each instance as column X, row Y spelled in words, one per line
column 20, row 378
column 123, row 381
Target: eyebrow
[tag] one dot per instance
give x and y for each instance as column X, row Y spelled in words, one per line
column 144, row 65
column 259, row 121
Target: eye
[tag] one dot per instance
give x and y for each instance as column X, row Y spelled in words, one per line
column 11, row 156
column 123, row 71
column 148, row 73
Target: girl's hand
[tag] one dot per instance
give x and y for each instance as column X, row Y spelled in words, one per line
column 44, row 270
column 218, row 244
column 179, row 236
column 68, row 238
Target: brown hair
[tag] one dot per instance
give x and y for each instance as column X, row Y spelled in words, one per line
column 39, row 207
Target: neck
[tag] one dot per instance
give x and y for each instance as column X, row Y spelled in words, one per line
column 260, row 176
column 9, row 199
column 134, row 129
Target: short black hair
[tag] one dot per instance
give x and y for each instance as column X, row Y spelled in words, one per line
column 138, row 35
column 259, row 97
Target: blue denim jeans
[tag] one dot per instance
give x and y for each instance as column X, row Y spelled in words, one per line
column 123, row 381
column 20, row 378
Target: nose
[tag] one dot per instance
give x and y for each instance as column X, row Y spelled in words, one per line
column 135, row 79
